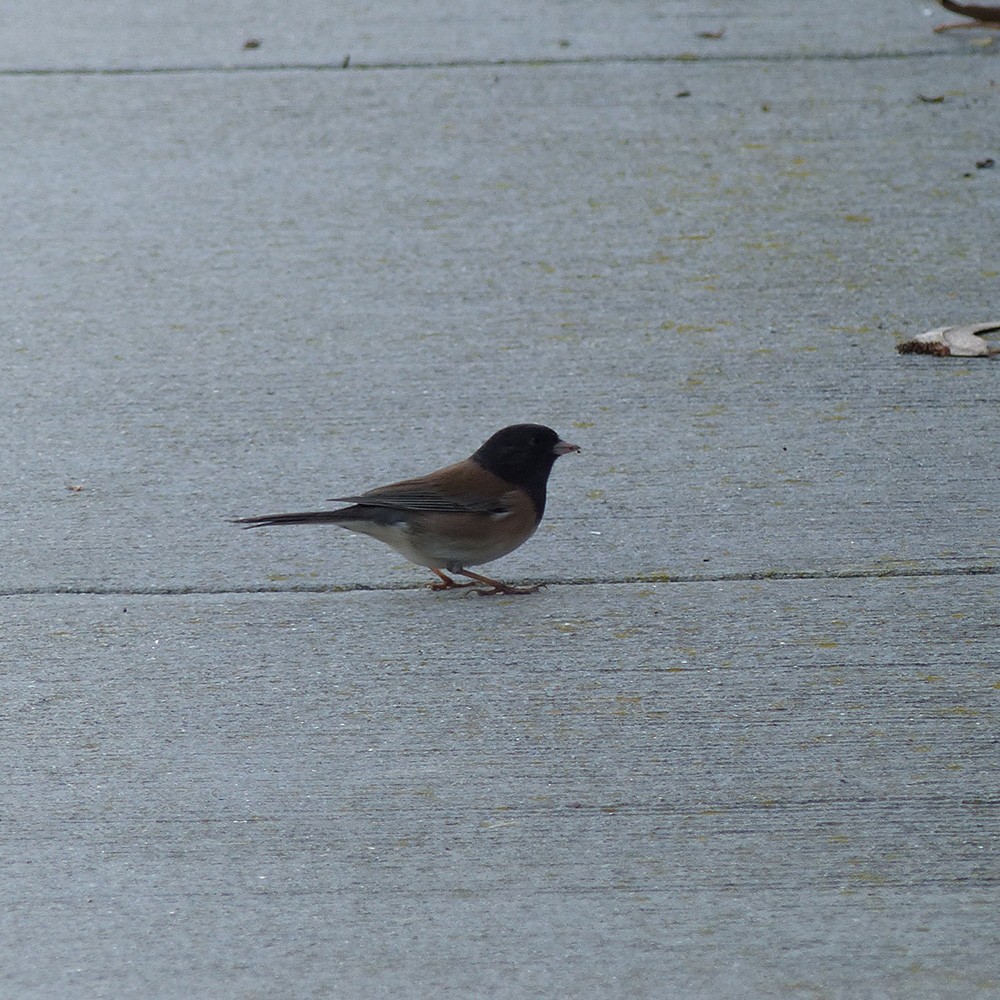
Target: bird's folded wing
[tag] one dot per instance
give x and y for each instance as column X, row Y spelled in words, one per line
column 429, row 500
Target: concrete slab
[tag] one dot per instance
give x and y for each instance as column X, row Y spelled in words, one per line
column 699, row 790
column 175, row 35
column 228, row 295
column 231, row 287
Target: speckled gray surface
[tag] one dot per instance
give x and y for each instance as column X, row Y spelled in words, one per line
column 117, row 36
column 729, row 788
column 745, row 743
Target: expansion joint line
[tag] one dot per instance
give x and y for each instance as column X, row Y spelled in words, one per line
column 751, row 576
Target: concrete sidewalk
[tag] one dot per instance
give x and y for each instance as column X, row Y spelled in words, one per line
column 745, row 743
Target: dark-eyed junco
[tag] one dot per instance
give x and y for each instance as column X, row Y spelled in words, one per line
column 460, row 516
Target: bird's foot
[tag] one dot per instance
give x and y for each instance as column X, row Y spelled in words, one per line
column 506, row 588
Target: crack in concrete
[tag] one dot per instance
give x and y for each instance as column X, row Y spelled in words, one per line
column 751, row 576
column 472, row 63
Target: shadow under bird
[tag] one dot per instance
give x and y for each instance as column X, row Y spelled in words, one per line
column 463, row 515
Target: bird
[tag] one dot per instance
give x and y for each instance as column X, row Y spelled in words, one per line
column 953, row 341
column 462, row 515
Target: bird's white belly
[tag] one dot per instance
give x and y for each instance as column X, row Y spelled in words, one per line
column 435, row 551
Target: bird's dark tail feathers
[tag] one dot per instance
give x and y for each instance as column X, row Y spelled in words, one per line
column 306, row 517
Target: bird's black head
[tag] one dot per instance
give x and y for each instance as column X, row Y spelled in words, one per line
column 524, row 454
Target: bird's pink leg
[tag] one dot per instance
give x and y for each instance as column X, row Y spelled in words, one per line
column 962, row 25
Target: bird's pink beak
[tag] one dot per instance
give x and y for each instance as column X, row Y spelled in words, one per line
column 564, row 447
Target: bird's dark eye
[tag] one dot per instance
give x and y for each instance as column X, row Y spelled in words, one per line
column 535, row 441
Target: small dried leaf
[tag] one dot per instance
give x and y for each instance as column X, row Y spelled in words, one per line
column 953, row 341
